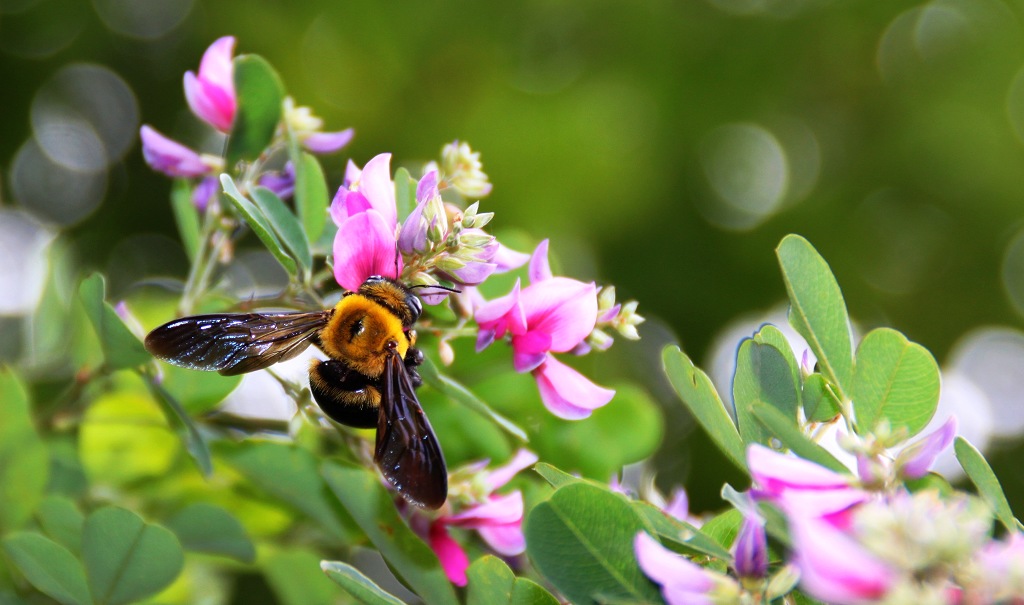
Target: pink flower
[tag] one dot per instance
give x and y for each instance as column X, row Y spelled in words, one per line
column 833, row 566
column 915, row 459
column 327, row 142
column 367, row 218
column 551, row 315
column 172, row 158
column 682, row 581
column 498, row 520
column 211, row 93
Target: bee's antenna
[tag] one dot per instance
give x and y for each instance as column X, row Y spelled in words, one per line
column 438, row 286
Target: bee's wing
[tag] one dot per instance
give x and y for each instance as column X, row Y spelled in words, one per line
column 235, row 343
column 407, row 452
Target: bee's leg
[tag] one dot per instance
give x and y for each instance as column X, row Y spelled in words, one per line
column 413, row 358
column 346, row 396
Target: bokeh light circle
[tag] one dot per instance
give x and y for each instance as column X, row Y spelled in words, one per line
column 993, row 359
column 23, row 246
column 53, row 192
column 145, row 20
column 85, row 117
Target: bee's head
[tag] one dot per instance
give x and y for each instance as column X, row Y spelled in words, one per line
column 393, row 295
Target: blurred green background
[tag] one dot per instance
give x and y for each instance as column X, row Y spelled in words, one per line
column 664, row 147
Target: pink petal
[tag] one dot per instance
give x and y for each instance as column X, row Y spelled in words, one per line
column 508, row 259
column 609, row 314
column 497, row 510
column 474, row 273
column 919, row 456
column 504, row 473
column 831, row 505
column 527, row 362
column 204, row 192
column 677, row 576
column 564, row 308
column 365, row 246
column 453, row 559
column 413, row 235
column 506, row 540
column 328, row 142
column 678, row 505
column 502, row 314
column 834, row 567
column 375, row 183
column 352, row 175
column 774, row 472
column 567, row 393
column 539, row 268
column 170, row 157
column 216, row 65
column 426, row 189
column 210, row 103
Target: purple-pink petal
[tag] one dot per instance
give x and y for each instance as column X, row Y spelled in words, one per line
column 426, row 189
column 281, row 183
column 413, row 235
column 216, row 65
column 506, row 540
column 375, row 183
column 564, row 308
column 503, row 474
column 365, row 246
column 920, row 455
column 678, row 505
column 503, row 314
column 750, row 550
column 834, row 567
column 170, row 157
column 474, row 273
column 508, row 259
column 567, row 393
column 539, row 269
column 347, row 203
column 682, row 581
column 328, row 142
column 609, row 314
column 774, row 472
column 453, row 559
column 204, row 192
column 524, row 362
column 497, row 510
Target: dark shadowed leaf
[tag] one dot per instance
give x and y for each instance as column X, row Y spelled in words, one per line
column 762, row 377
column 210, row 529
column 258, row 222
column 285, row 225
column 260, row 93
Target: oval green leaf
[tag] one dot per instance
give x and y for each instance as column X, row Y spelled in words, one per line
column 48, row 566
column 371, row 505
column 260, row 93
column 353, row 582
column 819, row 398
column 127, row 559
column 581, row 540
column 896, row 380
column 285, row 225
column 258, row 222
column 491, row 582
column 986, row 482
column 817, row 310
column 24, row 459
column 62, row 521
column 698, row 393
column 121, row 349
column 762, row 377
column 207, row 528
column 789, row 434
column 311, row 195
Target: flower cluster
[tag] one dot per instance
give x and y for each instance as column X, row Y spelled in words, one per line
column 210, row 94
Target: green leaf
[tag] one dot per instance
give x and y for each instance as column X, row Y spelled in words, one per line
column 48, row 566
column 290, row 474
column 311, row 196
column 762, row 378
column 183, row 426
column 581, row 540
column 491, row 582
column 186, row 216
column 985, row 480
column 127, row 559
column 210, row 529
column 258, row 222
column 62, row 521
column 405, row 193
column 684, row 536
column 296, row 579
column 260, row 93
column 817, row 310
column 820, row 403
column 698, row 393
column 361, row 588
column 724, row 527
column 449, row 387
column 285, row 225
column 197, row 392
column 121, row 349
column 771, row 335
column 24, row 459
column 896, row 380
column 372, row 506
column 556, row 477
column 789, row 434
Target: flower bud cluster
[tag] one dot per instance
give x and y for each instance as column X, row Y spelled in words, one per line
column 622, row 318
column 460, row 167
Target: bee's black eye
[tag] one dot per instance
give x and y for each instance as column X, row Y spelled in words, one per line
column 415, row 306
column 356, row 329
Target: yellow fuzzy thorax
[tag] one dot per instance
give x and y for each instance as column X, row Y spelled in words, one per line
column 358, row 334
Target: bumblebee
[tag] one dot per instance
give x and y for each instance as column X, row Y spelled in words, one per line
column 369, row 380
